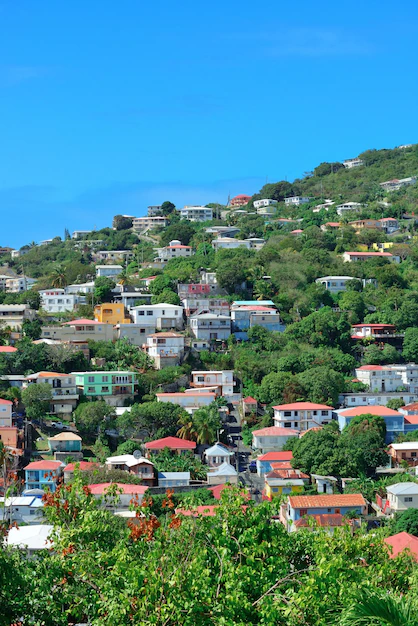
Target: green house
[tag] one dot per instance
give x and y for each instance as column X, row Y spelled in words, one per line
column 115, row 386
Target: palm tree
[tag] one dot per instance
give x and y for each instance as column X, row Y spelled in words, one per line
column 123, row 278
column 58, row 278
column 187, row 430
column 206, row 422
column 379, row 609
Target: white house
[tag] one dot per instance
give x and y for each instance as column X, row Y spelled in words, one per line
column 265, row 202
column 398, row 183
column 389, row 377
column 22, row 509
column 79, row 234
column 302, row 415
column 65, row 395
column 272, row 438
column 190, row 402
column 197, row 213
column 13, row 315
column 5, row 413
column 296, row 200
column 165, row 348
column 58, row 300
column 114, row 255
column 402, row 496
column 217, row 454
column 194, row 305
column 109, row 271
column 223, row 380
column 173, row 479
column 136, row 334
column 81, row 288
column 30, row 538
column 334, row 284
column 160, row 316
column 225, row 473
column 174, row 250
column 351, row 257
column 230, row 243
column 19, row 284
column 210, row 326
column 142, row 224
column 79, row 331
column 349, row 163
column 348, row 206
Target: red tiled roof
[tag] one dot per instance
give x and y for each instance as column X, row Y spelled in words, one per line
column 327, row 501
column 281, row 465
column 43, row 465
column 370, row 368
column 314, row 428
column 285, row 455
column 373, row 326
column 388, row 219
column 83, row 466
column 179, row 246
column 322, row 520
column 99, row 488
column 400, row 542
column 5, row 401
column 217, row 490
column 371, row 410
column 7, row 349
column 81, row 322
column 250, row 400
column 333, row 224
column 411, row 407
column 411, row 419
column 302, row 406
column 205, row 510
column 174, row 443
column 275, row 431
column 256, row 307
column 370, row 253
column 291, row 474
column 241, row 195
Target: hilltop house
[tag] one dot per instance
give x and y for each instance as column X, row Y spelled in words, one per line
column 174, row 444
column 108, row 271
column 13, row 315
column 389, row 378
column 197, row 213
column 113, row 387
column 111, row 313
column 165, row 349
column 246, row 316
column 68, row 442
column 348, row 206
column 406, row 451
column 174, row 250
column 79, row 331
column 141, row 224
column 323, row 505
column 302, row 415
column 296, row 200
column 141, row 467
column 399, row 497
column 396, row 183
column 349, row 163
column 349, row 257
column 217, row 454
column 161, row 316
column 190, row 401
column 224, row 473
column 266, row 461
column 335, row 284
column 41, row 474
column 210, row 326
column 222, row 381
column 59, row 300
column 393, row 419
column 284, row 481
column 272, row 438
column 64, row 390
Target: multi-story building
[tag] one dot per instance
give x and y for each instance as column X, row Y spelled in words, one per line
column 141, row 467
column 246, row 316
column 142, row 224
column 161, row 316
column 195, row 306
column 386, row 378
column 397, row 183
column 335, row 284
column 349, row 163
column 296, row 200
column 351, row 257
column 154, row 210
column 109, row 271
column 272, row 438
column 358, row 225
column 5, row 413
column 131, row 298
column 58, row 300
column 81, row 288
column 42, row 474
column 136, row 334
column 222, row 381
column 302, row 415
column 406, row 451
column 190, row 401
column 240, row 200
column 197, row 213
column 79, row 234
column 19, row 284
column 114, row 255
column 165, row 349
column 113, row 387
column 230, row 243
column 13, row 315
column 265, row 202
column 389, row 224
column 348, row 206
column 111, row 313
column 393, row 419
column 64, row 390
column 194, row 291
column 174, row 250
column 79, row 331
column 210, row 326
column 323, row 508
column 380, row 332
column 222, row 231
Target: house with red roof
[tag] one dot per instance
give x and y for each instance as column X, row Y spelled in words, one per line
column 249, row 405
column 389, row 224
column 272, row 438
column 350, row 257
column 7, row 349
column 42, row 474
column 402, row 542
column 284, row 481
column 124, row 495
column 380, row 332
column 393, row 419
column 245, row 316
column 79, row 331
column 63, row 387
column 174, row 250
column 266, row 461
column 302, row 415
column 5, row 413
column 82, row 466
column 240, row 200
column 298, row 507
column 174, row 444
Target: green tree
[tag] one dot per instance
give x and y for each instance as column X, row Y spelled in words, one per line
column 183, row 231
column 166, row 296
column 37, row 400
column 322, row 384
column 58, row 277
column 410, row 345
column 167, row 208
column 32, row 329
column 121, row 222
column 103, row 287
column 407, row 522
column 90, row 416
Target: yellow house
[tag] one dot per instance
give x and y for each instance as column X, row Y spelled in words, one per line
column 382, row 247
column 111, row 313
column 284, row 481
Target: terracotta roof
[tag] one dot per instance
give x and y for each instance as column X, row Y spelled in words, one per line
column 250, row 400
column 205, row 510
column 281, row 465
column 165, row 335
column 297, row 231
column 314, row 428
column 373, row 326
column 7, row 349
column 43, row 465
column 388, row 219
column 67, row 436
column 83, row 466
column 217, row 490
column 290, row 474
column 302, row 406
column 370, row 368
column 175, row 443
column 370, row 253
column 81, row 322
column 371, row 410
column 333, row 224
column 5, row 401
column 255, row 307
column 411, row 419
column 98, row 489
column 241, row 195
column 327, row 501
column 183, row 394
column 410, row 407
column 323, row 520
column 400, row 542
column 275, row 431
column 285, row 455
column 179, row 246
column 48, row 375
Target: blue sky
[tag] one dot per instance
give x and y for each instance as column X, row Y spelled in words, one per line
column 106, row 107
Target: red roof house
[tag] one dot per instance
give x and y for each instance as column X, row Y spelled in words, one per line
column 172, row 443
column 400, row 542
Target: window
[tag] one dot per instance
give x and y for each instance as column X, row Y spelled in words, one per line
column 149, row 312
column 303, row 512
column 163, row 312
column 105, row 389
column 329, row 510
column 91, row 389
column 413, row 455
column 201, row 379
column 105, row 379
column 141, row 312
column 324, row 413
column 142, row 331
column 90, row 379
column 408, row 499
column 287, row 413
column 288, row 424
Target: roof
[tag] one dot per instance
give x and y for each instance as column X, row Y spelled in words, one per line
column 205, row 510
column 250, row 400
column 83, row 466
column 174, row 475
column 7, row 349
column 333, row 224
column 217, row 490
column 80, row 322
column 165, row 335
column 67, row 436
column 175, row 443
column 371, row 410
column 370, row 253
column 323, row 520
column 400, row 542
column 241, row 195
column 99, row 489
column 327, row 501
column 44, row 465
column 249, row 307
column 411, row 419
column 47, row 375
column 403, row 489
column 5, row 401
column 285, row 455
column 302, row 406
column 275, row 431
column 183, row 394
column 126, row 459
column 225, row 469
column 388, row 219
column 370, row 368
column 218, row 450
column 406, row 445
column 33, row 537
column 373, row 326
column 178, row 246
column 286, row 474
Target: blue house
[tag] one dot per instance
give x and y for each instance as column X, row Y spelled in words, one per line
column 265, row 460
column 245, row 316
column 393, row 419
column 65, row 442
column 325, row 505
column 42, row 474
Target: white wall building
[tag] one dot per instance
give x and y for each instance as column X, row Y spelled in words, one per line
column 389, row 377
column 197, row 213
column 165, row 349
column 142, row 224
column 348, row 206
column 81, row 288
column 114, row 255
column 230, row 243
column 64, row 390
column 174, row 250
column 296, row 200
column 334, row 284
column 398, row 183
column 190, row 402
column 13, row 315
column 402, row 496
column 160, row 316
column 19, row 284
column 136, row 334
column 349, row 163
column 58, row 300
column 5, row 413
column 272, row 438
column 223, row 380
column 210, row 326
column 302, row 415
column 109, row 271
column 264, row 203
column 79, row 234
